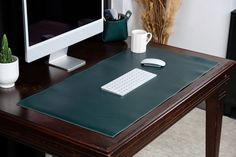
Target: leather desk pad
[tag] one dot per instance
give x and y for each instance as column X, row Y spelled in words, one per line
column 79, row 99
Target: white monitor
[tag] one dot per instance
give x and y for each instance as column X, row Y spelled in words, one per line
column 51, row 26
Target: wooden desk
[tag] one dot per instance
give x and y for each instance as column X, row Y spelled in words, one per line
column 66, row 140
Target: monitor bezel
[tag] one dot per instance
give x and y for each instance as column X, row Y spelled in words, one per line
column 57, row 43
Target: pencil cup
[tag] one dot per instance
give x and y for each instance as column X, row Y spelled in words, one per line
column 116, row 30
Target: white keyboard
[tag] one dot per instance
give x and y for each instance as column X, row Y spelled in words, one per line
column 128, row 82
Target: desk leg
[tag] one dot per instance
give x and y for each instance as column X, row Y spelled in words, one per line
column 214, row 113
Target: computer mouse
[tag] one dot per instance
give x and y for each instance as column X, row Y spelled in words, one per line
column 154, row 62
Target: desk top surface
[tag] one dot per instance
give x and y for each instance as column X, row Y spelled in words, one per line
column 38, row 129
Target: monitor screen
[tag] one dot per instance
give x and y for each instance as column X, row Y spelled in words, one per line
column 51, row 26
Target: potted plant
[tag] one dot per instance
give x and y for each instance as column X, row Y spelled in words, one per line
column 9, row 65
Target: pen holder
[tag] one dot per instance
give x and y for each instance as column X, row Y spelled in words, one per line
column 116, row 30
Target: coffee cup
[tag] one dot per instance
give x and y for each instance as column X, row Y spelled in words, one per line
column 139, row 40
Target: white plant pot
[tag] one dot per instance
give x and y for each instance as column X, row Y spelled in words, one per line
column 9, row 73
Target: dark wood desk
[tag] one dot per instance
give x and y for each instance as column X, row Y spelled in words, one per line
column 66, row 140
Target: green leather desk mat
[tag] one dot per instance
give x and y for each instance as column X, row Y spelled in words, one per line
column 79, row 99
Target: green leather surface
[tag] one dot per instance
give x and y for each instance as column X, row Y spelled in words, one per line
column 79, row 99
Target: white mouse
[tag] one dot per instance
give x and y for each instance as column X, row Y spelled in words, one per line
column 153, row 62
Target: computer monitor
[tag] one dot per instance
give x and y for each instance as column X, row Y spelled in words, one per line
column 51, row 26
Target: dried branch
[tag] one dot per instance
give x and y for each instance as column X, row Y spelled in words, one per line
column 158, row 17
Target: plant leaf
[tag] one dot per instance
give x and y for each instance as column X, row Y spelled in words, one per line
column 5, row 54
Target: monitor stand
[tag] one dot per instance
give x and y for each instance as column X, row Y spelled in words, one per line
column 61, row 60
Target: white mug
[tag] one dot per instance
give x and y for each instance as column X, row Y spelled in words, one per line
column 139, row 40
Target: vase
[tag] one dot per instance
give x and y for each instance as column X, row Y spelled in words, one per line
column 9, row 73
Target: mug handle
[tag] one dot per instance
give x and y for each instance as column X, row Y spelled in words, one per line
column 149, row 37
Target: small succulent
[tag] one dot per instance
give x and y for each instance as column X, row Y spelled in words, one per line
column 5, row 53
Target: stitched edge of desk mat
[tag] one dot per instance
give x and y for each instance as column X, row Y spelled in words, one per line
column 79, row 99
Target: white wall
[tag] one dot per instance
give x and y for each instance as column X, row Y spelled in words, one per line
column 201, row 25
column 124, row 5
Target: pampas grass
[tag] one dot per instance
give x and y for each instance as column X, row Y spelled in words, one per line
column 158, row 17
